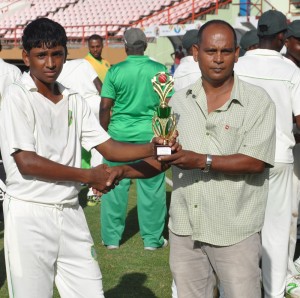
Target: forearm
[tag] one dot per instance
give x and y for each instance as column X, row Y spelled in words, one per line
column 117, row 151
column 146, row 168
column 236, row 164
column 228, row 164
column 104, row 118
column 29, row 163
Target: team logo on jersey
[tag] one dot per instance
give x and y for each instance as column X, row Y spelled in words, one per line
column 70, row 118
column 93, row 253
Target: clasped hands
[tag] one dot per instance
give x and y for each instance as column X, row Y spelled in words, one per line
column 105, row 178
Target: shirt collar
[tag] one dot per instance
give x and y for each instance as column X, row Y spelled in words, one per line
column 264, row 52
column 29, row 84
column 197, row 88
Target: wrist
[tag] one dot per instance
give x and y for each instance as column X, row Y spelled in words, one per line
column 208, row 163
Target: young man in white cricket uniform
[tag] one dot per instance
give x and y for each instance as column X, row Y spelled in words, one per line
column 43, row 126
column 80, row 76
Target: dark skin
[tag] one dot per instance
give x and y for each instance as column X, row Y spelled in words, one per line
column 45, row 66
column 95, row 48
column 293, row 53
column 216, row 55
column 293, row 49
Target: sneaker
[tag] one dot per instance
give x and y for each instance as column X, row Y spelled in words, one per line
column 165, row 244
column 93, row 200
column 293, row 287
column 297, row 264
column 110, row 247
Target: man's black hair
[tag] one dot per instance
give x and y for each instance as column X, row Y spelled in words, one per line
column 216, row 22
column 44, row 32
column 95, row 37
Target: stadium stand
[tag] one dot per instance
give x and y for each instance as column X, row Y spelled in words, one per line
column 81, row 18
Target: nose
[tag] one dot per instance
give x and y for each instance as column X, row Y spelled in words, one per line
column 50, row 62
column 218, row 57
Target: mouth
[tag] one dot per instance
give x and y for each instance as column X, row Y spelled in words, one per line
column 217, row 69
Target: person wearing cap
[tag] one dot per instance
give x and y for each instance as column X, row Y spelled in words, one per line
column 267, row 68
column 188, row 70
column 128, row 93
column 249, row 41
column 292, row 44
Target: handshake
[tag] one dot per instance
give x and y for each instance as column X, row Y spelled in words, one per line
column 104, row 178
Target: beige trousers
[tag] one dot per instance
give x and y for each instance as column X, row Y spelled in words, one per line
column 194, row 266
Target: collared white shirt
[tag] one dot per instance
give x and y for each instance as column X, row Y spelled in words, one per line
column 31, row 122
column 187, row 73
column 270, row 70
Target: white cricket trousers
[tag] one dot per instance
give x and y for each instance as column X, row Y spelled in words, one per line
column 295, row 211
column 46, row 244
column 276, row 230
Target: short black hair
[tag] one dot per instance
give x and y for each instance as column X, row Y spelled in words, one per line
column 95, row 37
column 216, row 22
column 42, row 32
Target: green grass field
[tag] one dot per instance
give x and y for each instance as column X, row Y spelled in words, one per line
column 129, row 272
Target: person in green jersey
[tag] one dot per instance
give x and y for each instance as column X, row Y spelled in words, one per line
column 127, row 106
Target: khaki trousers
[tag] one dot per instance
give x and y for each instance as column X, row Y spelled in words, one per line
column 194, row 266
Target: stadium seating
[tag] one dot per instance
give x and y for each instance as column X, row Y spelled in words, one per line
column 82, row 18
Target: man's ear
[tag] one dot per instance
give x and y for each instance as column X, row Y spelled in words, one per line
column 195, row 52
column 237, row 54
column 25, row 57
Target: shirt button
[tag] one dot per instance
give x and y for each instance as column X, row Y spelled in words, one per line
column 196, row 206
column 207, row 133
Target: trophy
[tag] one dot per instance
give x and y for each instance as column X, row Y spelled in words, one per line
column 163, row 122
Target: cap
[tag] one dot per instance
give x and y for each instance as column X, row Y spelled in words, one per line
column 271, row 22
column 190, row 38
column 134, row 37
column 294, row 29
column 249, row 39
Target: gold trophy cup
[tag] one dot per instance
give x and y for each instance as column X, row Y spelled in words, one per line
column 163, row 122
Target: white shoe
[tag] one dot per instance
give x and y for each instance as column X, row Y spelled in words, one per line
column 297, row 264
column 165, row 244
column 110, row 247
column 293, row 287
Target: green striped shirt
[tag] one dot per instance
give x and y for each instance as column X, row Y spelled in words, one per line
column 218, row 208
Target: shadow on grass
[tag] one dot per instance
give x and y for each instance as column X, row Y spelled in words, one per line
column 131, row 285
column 132, row 224
column 2, row 271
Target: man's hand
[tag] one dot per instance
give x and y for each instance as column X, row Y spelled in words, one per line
column 175, row 146
column 102, row 180
column 185, row 159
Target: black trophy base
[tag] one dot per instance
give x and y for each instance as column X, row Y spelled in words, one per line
column 161, row 150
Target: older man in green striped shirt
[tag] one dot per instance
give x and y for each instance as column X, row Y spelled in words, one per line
column 227, row 130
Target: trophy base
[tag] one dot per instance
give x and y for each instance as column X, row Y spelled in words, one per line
column 162, row 150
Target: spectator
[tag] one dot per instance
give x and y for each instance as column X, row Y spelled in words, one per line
column 292, row 44
column 249, row 41
column 101, row 66
column 177, row 56
column 188, row 70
